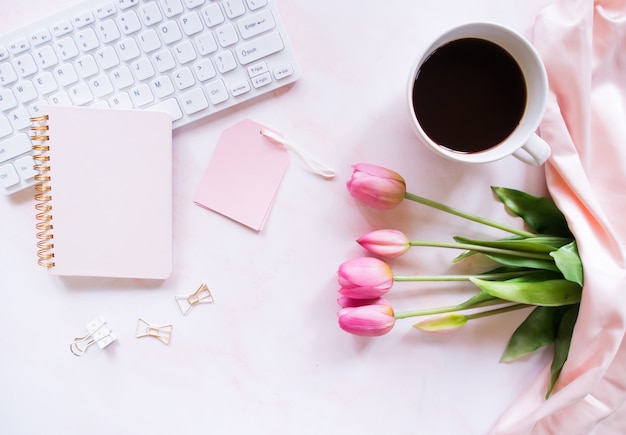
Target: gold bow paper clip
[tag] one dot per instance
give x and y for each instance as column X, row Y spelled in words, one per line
column 162, row 332
column 98, row 332
column 201, row 296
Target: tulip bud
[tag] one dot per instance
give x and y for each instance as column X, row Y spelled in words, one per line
column 445, row 323
column 376, row 186
column 364, row 278
column 367, row 320
column 386, row 243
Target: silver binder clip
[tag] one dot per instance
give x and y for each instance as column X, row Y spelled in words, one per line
column 201, row 296
column 98, row 332
column 162, row 332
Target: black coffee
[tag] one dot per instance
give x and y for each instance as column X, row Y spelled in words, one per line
column 469, row 95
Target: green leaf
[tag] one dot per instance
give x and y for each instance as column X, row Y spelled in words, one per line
column 539, row 213
column 562, row 344
column 541, row 244
column 512, row 260
column 568, row 261
column 538, row 330
column 550, row 293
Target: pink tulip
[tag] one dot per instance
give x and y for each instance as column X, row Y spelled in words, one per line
column 367, row 320
column 376, row 186
column 364, row 278
column 386, row 243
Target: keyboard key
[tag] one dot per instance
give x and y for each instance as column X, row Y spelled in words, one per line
column 105, row 10
column 183, row 78
column 122, row 77
column 60, row 99
column 164, row 61
column 5, row 127
column 227, row 35
column 121, row 101
column 170, row 106
column 20, row 119
column 253, row 5
column 40, row 37
column 234, row 8
column 19, row 46
column 206, row 44
column 25, row 65
column 46, row 57
column 171, row 8
column 13, row 147
column 128, row 49
column 142, row 69
column 193, row 101
column 129, row 22
column 107, row 57
column 45, row 83
column 126, row 4
column 80, row 94
column 25, row 91
column 260, row 47
column 62, row 28
column 7, row 74
column 257, row 69
column 191, row 23
column 150, row 14
column 217, row 91
column 83, row 19
column 240, row 89
column 108, row 31
column 185, row 52
column 7, row 100
column 4, row 53
column 193, row 3
column 86, row 66
column 212, row 15
column 204, row 70
column 225, row 61
column 170, row 32
column 261, row 80
column 141, row 95
column 25, row 167
column 256, row 24
column 101, row 86
column 162, row 87
column 65, row 74
column 149, row 41
column 8, row 176
column 87, row 39
column 66, row 48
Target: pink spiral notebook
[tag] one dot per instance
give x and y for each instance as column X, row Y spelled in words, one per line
column 104, row 199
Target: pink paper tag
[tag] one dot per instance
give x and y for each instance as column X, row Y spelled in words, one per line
column 244, row 174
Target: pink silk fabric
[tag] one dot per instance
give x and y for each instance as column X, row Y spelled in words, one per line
column 583, row 45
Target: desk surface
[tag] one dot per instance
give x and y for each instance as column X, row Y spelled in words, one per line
column 267, row 357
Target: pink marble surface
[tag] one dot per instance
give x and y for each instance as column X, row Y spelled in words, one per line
column 267, row 357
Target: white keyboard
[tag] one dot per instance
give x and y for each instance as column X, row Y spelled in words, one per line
column 191, row 58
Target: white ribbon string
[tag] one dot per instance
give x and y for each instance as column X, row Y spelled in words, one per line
column 312, row 164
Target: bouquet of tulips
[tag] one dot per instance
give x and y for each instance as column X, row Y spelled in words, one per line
column 538, row 269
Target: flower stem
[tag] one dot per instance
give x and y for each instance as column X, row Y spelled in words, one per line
column 486, row 276
column 483, row 249
column 461, row 307
column 456, row 212
column 506, row 309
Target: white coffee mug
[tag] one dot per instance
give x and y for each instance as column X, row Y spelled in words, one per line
column 522, row 142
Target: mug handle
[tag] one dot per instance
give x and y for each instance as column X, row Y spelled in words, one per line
column 535, row 152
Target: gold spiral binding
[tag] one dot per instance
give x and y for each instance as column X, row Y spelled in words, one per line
column 43, row 188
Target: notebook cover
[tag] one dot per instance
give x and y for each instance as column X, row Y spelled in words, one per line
column 111, row 179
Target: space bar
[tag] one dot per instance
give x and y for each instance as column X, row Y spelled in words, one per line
column 260, row 47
